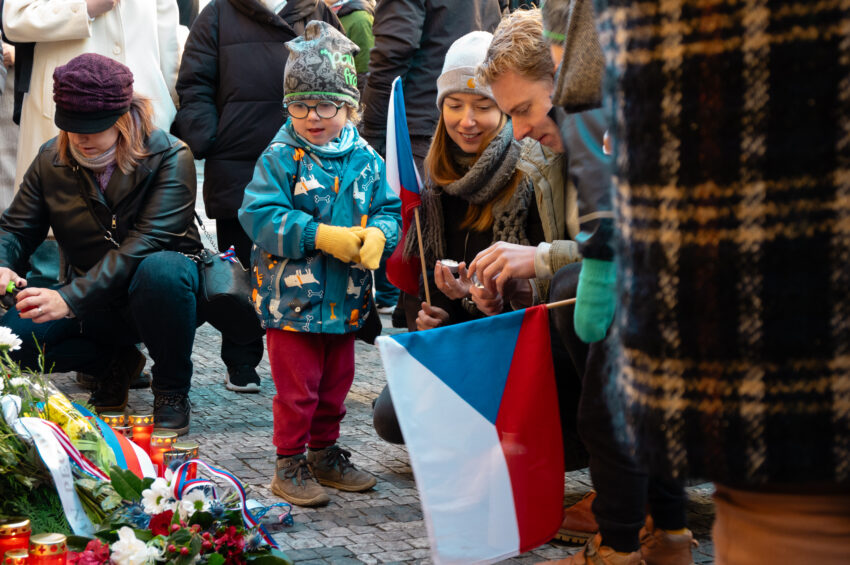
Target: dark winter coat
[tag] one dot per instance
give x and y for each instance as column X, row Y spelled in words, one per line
column 231, row 89
column 152, row 209
column 411, row 40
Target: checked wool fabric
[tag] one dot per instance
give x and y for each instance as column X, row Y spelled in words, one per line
column 732, row 135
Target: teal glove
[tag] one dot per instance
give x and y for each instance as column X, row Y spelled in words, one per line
column 595, row 299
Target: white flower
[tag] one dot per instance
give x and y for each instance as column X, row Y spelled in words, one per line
column 129, row 550
column 192, row 502
column 8, row 340
column 19, row 381
column 157, row 498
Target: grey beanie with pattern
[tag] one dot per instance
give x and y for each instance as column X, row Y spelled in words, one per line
column 321, row 66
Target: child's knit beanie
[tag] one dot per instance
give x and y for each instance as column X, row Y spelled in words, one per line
column 462, row 58
column 321, row 65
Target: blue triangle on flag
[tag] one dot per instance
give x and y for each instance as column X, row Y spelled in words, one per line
column 472, row 358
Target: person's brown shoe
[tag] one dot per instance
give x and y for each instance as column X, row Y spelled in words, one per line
column 578, row 525
column 658, row 547
column 594, row 553
column 333, row 468
column 294, row 482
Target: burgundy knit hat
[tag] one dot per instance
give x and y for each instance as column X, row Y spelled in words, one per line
column 91, row 92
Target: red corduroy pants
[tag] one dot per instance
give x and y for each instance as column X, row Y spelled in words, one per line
column 312, row 374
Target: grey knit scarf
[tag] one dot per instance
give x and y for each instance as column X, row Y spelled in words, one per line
column 484, row 180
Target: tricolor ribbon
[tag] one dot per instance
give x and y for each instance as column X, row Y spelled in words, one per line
column 229, row 255
column 182, row 485
column 128, row 455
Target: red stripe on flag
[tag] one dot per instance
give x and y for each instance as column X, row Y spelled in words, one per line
column 529, row 427
column 403, row 274
column 129, row 455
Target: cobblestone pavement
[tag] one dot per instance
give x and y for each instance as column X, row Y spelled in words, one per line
column 381, row 526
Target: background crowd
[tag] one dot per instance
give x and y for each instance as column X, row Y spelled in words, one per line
column 679, row 168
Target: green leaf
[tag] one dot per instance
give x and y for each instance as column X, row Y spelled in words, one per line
column 143, row 535
column 147, row 482
column 203, row 519
column 215, row 559
column 274, row 557
column 77, row 543
column 126, row 483
column 180, row 537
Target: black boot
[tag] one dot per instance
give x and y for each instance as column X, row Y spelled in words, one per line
column 110, row 394
column 171, row 413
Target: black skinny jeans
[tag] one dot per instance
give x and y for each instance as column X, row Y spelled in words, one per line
column 623, row 488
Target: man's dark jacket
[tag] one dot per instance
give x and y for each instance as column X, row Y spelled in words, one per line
column 151, row 209
column 411, row 40
column 231, row 89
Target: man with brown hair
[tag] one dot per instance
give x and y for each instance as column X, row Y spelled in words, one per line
column 521, row 73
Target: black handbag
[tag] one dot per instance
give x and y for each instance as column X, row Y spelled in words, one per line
column 224, row 297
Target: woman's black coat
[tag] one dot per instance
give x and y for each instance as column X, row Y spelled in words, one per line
column 152, row 209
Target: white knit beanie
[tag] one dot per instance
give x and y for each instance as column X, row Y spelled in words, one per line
column 462, row 58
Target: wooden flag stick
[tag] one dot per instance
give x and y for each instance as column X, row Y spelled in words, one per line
column 422, row 256
column 561, row 303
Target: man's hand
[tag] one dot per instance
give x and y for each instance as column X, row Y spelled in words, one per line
column 99, row 7
column 41, row 305
column 490, row 303
column 430, row 317
column 8, row 55
column 454, row 288
column 502, row 262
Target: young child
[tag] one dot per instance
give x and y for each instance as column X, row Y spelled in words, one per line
column 321, row 215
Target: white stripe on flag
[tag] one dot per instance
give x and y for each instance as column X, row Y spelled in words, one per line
column 391, row 152
column 460, row 468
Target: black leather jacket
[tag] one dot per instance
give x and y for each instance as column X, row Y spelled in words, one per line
column 149, row 210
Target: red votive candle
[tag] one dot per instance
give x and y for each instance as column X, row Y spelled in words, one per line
column 47, row 549
column 142, row 429
column 14, row 534
column 160, row 443
column 16, row 557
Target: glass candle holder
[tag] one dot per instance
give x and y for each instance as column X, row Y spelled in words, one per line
column 16, row 557
column 189, row 450
column 126, row 431
column 14, row 534
column 47, row 549
column 142, row 429
column 114, row 418
column 160, row 443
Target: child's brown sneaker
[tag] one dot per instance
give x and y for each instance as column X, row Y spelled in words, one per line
column 294, row 482
column 333, row 468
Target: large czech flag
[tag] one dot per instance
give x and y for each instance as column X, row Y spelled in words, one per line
column 403, row 178
column 478, row 407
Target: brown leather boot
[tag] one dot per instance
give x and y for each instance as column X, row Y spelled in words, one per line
column 579, row 525
column 594, row 553
column 658, row 547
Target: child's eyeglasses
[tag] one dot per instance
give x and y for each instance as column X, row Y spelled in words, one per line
column 323, row 109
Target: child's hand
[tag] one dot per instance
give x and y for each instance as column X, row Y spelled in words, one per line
column 338, row 242
column 373, row 246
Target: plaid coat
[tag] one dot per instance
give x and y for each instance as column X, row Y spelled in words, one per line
column 731, row 124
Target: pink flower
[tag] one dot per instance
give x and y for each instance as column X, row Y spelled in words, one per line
column 96, row 553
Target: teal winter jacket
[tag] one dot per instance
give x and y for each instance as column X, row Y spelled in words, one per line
column 296, row 186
